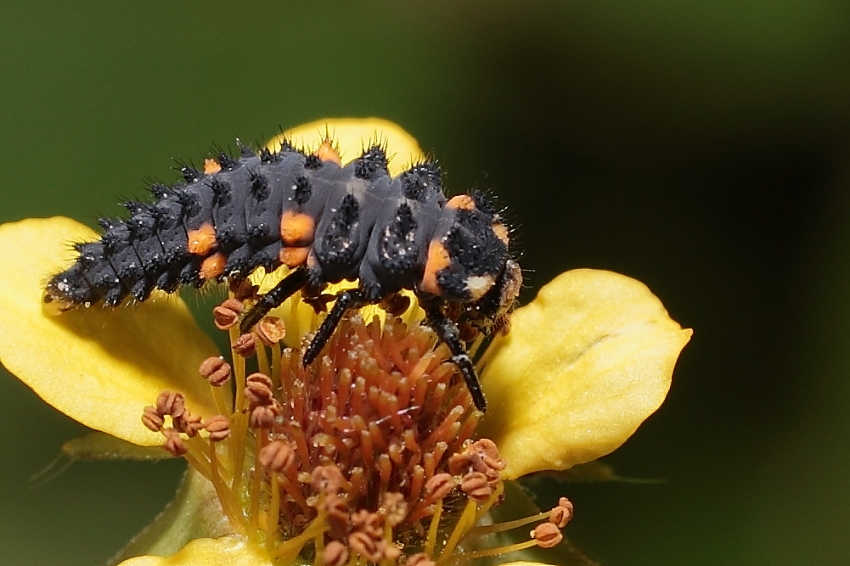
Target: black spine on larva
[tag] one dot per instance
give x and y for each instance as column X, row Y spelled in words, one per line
column 372, row 164
column 242, row 203
column 354, row 222
column 475, row 251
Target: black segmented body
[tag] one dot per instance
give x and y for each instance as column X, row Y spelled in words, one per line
column 326, row 221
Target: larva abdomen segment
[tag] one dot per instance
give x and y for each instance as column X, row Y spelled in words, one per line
column 302, row 211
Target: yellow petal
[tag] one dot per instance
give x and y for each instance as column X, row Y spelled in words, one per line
column 353, row 136
column 99, row 366
column 230, row 550
column 582, row 367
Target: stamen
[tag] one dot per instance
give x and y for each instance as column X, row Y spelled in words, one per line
column 173, row 443
column 287, row 551
column 506, row 526
column 547, row 535
column 258, row 389
column 218, row 427
column 226, row 315
column 335, row 554
column 419, row 559
column 152, row 419
column 562, row 513
column 246, row 345
column 271, row 330
column 187, row 423
column 277, row 456
column 273, row 514
column 239, row 422
column 256, row 482
column 170, row 403
column 217, row 372
column 364, row 457
column 476, row 487
column 228, row 502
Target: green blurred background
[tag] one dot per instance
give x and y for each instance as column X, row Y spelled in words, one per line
column 700, row 147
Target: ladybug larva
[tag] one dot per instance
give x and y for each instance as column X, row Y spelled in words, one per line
column 324, row 221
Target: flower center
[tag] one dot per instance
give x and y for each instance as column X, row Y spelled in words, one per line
column 368, row 455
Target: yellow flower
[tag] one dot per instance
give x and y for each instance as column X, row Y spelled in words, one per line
column 582, row 366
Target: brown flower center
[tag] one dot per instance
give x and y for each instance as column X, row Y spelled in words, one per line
column 367, row 455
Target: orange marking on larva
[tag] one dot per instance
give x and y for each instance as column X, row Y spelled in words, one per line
column 202, row 241
column 501, row 232
column 297, row 229
column 462, row 202
column 293, row 257
column 438, row 259
column 211, row 166
column 327, row 152
column 213, row 266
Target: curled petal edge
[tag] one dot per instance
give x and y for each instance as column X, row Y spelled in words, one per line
column 583, row 366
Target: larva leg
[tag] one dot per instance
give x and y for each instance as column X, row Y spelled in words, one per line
column 288, row 286
column 345, row 301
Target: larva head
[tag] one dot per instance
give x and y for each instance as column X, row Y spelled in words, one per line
column 491, row 311
column 468, row 260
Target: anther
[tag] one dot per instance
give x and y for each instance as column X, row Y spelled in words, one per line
column 226, row 315
column 367, row 522
column 419, row 559
column 170, row 403
column 277, row 456
column 245, row 345
column 479, row 456
column 327, row 479
column 264, row 416
column 219, row 428
column 337, row 516
column 476, row 486
column 270, row 330
column 439, row 486
column 215, row 370
column 365, row 546
column 258, row 389
column 391, row 551
column 336, row 554
column 188, row 423
column 561, row 514
column 152, row 419
column 174, row 445
column 547, row 535
column 393, row 507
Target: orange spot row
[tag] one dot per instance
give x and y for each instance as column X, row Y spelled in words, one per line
column 438, row 259
column 211, row 166
column 327, row 152
column 213, row 266
column 293, row 257
column 461, row 202
column 202, row 241
column 297, row 229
